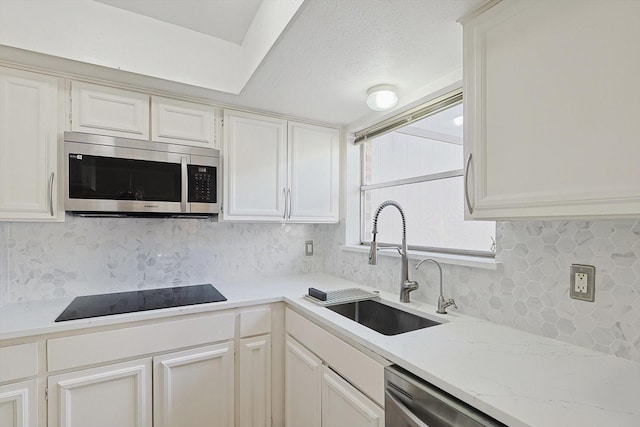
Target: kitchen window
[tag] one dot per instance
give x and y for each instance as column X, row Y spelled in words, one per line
column 417, row 160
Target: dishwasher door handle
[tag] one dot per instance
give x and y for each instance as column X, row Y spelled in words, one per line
column 397, row 408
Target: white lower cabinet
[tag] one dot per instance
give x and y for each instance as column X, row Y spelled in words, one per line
column 19, row 404
column 343, row 405
column 107, row 396
column 303, row 386
column 194, row 387
column 328, row 382
column 198, row 371
column 254, row 370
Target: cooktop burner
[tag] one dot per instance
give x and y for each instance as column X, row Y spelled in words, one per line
column 149, row 299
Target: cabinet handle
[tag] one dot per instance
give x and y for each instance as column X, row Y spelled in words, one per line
column 289, row 202
column 284, row 195
column 51, row 193
column 466, row 183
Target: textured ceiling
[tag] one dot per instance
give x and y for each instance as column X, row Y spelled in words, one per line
column 319, row 68
column 334, row 50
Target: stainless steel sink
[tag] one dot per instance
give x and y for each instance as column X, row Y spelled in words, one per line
column 382, row 318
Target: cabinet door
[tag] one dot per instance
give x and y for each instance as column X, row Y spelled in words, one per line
column 303, row 386
column 194, row 388
column 343, row 405
column 254, row 164
column 180, row 122
column 28, row 146
column 112, row 395
column 19, row 404
column 255, row 382
column 551, row 109
column 313, row 173
column 108, row 111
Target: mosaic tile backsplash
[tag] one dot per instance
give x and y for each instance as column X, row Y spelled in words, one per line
column 530, row 290
column 98, row 255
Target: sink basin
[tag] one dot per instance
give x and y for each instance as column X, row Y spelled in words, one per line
column 382, row 318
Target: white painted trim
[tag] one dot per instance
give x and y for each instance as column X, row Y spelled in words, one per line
column 442, row 258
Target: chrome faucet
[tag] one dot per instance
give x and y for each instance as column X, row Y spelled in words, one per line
column 406, row 285
column 442, row 303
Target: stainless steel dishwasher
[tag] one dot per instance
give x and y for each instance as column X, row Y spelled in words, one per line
column 412, row 402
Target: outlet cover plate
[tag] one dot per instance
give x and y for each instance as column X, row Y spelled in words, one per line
column 590, row 272
column 308, row 248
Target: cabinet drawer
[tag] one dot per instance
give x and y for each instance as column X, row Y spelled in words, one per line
column 100, row 347
column 18, row 361
column 255, row 322
column 359, row 369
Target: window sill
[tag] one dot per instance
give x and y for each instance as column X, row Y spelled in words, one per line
column 462, row 260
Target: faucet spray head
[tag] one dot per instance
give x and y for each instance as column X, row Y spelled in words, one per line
column 373, row 252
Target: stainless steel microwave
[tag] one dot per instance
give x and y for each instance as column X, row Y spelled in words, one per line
column 107, row 176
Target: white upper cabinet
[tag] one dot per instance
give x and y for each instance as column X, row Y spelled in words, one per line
column 313, row 173
column 254, row 159
column 29, row 179
column 276, row 170
column 109, row 111
column 122, row 113
column 179, row 122
column 551, row 109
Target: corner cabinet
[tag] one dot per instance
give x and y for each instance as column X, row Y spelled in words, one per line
column 551, row 109
column 279, row 171
column 29, row 178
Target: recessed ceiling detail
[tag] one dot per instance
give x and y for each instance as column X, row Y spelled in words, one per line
column 156, row 44
column 223, row 19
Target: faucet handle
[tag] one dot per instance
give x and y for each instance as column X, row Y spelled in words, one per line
column 443, row 304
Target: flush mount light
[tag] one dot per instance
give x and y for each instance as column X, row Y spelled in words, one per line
column 382, row 97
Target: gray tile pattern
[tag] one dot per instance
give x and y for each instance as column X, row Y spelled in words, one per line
column 530, row 290
column 95, row 255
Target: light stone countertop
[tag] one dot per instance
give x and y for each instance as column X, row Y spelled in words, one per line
column 521, row 379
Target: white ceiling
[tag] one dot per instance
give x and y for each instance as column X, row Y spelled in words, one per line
column 318, row 69
column 224, row 19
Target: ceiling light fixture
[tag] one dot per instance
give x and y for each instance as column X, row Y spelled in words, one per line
column 382, row 97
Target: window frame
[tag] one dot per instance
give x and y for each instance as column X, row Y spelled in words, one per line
column 392, row 124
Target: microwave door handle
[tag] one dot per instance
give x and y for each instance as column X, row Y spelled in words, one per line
column 408, row 418
column 183, row 188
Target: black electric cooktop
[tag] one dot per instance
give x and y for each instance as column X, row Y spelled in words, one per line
column 128, row 302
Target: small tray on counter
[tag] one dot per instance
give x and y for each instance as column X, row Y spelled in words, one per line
column 343, row 296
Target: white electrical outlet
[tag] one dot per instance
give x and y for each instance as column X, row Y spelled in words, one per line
column 583, row 282
column 308, row 248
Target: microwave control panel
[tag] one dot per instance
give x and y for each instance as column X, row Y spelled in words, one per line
column 202, row 184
